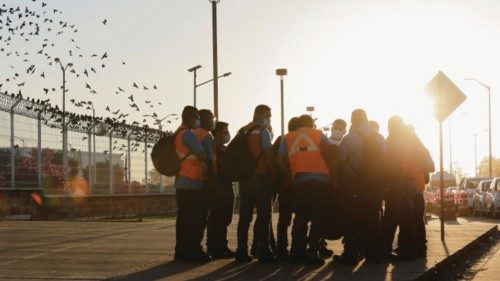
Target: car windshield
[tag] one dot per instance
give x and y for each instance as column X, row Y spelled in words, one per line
column 472, row 183
column 486, row 185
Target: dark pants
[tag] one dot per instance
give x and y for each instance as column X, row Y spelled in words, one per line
column 192, row 210
column 285, row 217
column 400, row 211
column 308, row 205
column 219, row 218
column 363, row 233
column 255, row 192
column 420, row 221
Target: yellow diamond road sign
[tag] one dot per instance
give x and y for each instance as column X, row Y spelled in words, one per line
column 445, row 95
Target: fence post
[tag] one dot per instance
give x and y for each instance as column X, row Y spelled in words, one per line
column 146, row 162
column 39, row 152
column 111, row 161
column 12, row 155
column 129, row 169
column 89, row 155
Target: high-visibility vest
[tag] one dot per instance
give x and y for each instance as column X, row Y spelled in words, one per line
column 304, row 152
column 200, row 134
column 255, row 145
column 191, row 167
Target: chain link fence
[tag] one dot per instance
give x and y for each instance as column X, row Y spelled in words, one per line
column 104, row 156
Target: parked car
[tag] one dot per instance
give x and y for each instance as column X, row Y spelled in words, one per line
column 479, row 198
column 469, row 185
column 492, row 199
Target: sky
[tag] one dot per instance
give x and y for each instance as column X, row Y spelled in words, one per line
column 340, row 55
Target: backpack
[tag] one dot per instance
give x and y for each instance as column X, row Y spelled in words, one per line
column 164, row 155
column 238, row 162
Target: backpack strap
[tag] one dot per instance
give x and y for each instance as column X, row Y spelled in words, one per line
column 175, row 135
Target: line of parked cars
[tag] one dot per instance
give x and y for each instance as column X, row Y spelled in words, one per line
column 483, row 195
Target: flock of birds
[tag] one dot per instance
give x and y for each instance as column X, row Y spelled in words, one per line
column 37, row 23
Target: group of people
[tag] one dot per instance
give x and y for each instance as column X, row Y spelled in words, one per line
column 355, row 185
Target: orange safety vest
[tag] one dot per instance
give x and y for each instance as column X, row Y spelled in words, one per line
column 191, row 167
column 254, row 142
column 200, row 134
column 304, row 153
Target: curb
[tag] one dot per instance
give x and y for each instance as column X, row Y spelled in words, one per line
column 448, row 262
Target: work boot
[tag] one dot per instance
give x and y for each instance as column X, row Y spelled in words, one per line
column 242, row 256
column 282, row 255
column 229, row 253
column 346, row 259
column 199, row 256
column 266, row 257
column 314, row 258
column 297, row 257
column 325, row 252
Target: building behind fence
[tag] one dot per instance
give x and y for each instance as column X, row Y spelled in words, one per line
column 104, row 156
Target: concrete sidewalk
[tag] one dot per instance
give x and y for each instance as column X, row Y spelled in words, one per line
column 58, row 250
column 489, row 269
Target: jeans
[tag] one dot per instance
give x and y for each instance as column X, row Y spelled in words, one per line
column 219, row 218
column 255, row 192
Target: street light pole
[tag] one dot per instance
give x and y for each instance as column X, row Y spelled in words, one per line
column 215, row 63
column 194, row 69
column 64, row 127
column 475, row 153
column 490, row 156
column 282, row 72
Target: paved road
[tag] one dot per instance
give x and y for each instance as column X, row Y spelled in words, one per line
column 58, row 250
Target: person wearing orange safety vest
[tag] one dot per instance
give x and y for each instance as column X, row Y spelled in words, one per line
column 256, row 192
column 310, row 184
column 404, row 178
column 190, row 195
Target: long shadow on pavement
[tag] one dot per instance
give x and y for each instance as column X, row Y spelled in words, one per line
column 160, row 271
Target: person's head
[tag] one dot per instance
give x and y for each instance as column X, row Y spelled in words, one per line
column 395, row 124
column 339, row 128
column 207, row 119
column 221, row 132
column 293, row 124
column 305, row 121
column 359, row 118
column 374, row 125
column 190, row 117
column 262, row 115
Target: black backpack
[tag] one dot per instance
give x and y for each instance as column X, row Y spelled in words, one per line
column 164, row 155
column 238, row 162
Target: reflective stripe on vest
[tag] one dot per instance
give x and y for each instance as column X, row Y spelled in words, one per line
column 191, row 167
column 304, row 153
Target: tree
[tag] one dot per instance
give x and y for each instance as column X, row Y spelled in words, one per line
column 483, row 169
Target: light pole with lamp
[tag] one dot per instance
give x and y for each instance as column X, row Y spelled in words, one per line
column 195, row 86
column 65, row 132
column 282, row 72
column 490, row 157
column 193, row 69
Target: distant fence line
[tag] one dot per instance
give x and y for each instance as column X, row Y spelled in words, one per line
column 20, row 170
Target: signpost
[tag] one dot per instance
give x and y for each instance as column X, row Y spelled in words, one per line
column 446, row 97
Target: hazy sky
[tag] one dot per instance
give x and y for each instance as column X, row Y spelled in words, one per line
column 340, row 55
